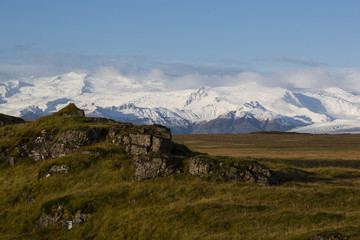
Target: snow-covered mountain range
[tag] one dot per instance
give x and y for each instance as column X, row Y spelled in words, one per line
column 237, row 109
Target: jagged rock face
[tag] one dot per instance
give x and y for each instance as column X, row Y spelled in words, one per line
column 151, row 148
column 41, row 149
column 233, row 171
column 161, row 145
column 57, row 217
column 68, row 141
column 55, row 169
column 58, row 140
column 78, row 219
column 71, row 140
column 142, row 141
column 52, row 218
column 51, row 143
column 147, row 166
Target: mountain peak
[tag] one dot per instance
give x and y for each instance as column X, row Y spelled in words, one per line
column 196, row 96
column 252, row 105
column 254, row 109
column 183, row 110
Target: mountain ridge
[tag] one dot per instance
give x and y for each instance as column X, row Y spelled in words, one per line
column 185, row 111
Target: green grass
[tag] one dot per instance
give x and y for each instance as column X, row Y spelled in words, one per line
column 176, row 207
column 319, row 194
column 6, row 119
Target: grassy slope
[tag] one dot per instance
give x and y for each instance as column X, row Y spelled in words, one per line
column 323, row 194
column 180, row 207
column 6, row 119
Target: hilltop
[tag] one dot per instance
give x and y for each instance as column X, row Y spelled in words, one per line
column 8, row 120
column 64, row 174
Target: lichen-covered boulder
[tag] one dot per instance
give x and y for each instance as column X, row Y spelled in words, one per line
column 79, row 219
column 74, row 139
column 58, row 217
column 140, row 140
column 47, row 145
column 54, row 169
column 51, row 218
column 68, row 131
column 41, row 146
column 153, row 165
column 199, row 167
column 231, row 170
column 151, row 147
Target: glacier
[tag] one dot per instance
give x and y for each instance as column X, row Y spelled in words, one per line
column 242, row 108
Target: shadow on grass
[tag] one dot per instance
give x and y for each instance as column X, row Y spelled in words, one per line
column 297, row 175
column 314, row 163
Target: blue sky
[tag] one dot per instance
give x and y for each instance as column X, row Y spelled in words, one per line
column 206, row 36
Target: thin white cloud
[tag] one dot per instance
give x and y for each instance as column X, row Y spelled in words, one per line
column 157, row 80
column 141, row 73
column 293, row 60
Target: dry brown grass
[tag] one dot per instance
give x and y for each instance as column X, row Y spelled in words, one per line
column 320, row 193
column 305, row 146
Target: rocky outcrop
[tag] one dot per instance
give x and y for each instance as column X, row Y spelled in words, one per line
column 41, row 146
column 330, row 235
column 153, row 165
column 54, row 169
column 139, row 140
column 58, row 217
column 46, row 146
column 79, row 219
column 136, row 140
column 69, row 130
column 151, row 147
column 74, row 139
column 51, row 218
column 230, row 170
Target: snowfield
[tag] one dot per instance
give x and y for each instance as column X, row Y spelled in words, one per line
column 331, row 110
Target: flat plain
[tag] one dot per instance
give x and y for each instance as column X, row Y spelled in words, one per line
column 322, row 192
column 275, row 145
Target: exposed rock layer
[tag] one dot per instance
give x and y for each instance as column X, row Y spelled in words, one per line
column 58, row 217
column 51, row 144
column 54, row 169
column 150, row 146
column 230, row 170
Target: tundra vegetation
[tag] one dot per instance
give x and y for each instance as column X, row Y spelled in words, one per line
column 66, row 176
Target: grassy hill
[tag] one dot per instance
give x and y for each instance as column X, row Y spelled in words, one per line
column 99, row 187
